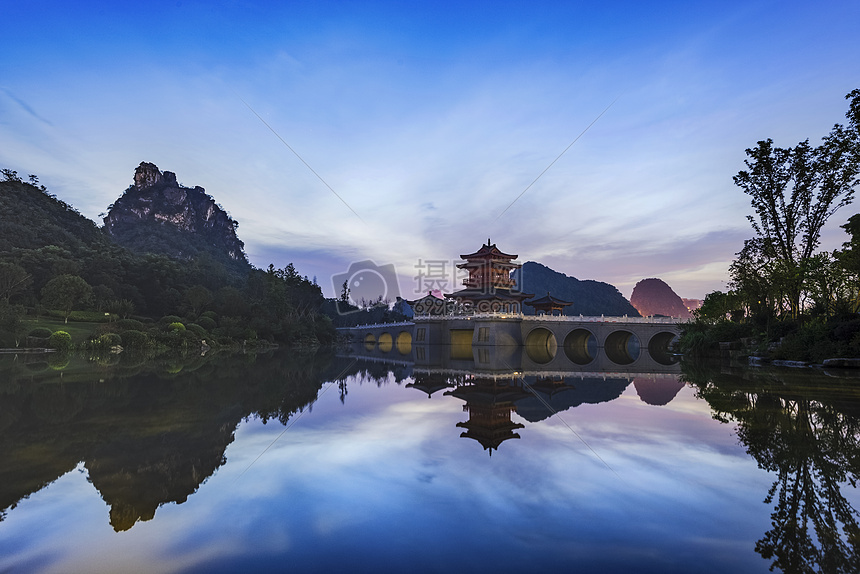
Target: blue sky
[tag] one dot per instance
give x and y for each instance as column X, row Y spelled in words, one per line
column 430, row 119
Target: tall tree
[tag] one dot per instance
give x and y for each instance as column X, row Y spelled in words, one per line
column 794, row 191
column 64, row 292
column 14, row 279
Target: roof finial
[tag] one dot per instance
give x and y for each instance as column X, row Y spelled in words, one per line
column 488, row 242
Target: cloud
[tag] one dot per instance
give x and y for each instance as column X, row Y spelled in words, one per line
column 25, row 106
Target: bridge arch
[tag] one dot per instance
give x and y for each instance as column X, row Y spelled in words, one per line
column 369, row 342
column 580, row 346
column 622, row 347
column 659, row 347
column 403, row 342
column 385, row 342
column 541, row 345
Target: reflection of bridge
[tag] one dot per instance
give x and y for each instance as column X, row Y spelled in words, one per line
column 507, row 384
column 504, row 342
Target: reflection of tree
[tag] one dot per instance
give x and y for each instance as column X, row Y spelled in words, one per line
column 810, row 438
column 146, row 436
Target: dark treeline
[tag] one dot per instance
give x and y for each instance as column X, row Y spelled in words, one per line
column 54, row 260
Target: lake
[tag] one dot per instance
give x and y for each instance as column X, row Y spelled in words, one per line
column 333, row 461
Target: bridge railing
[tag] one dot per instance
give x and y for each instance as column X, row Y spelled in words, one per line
column 377, row 325
column 559, row 318
column 602, row 319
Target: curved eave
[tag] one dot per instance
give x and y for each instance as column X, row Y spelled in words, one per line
column 489, row 250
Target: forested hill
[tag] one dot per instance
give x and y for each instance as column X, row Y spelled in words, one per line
column 588, row 297
column 31, row 218
column 43, row 239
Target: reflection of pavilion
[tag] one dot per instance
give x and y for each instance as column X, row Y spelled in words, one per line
column 489, row 403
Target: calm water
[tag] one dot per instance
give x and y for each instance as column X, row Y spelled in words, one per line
column 328, row 463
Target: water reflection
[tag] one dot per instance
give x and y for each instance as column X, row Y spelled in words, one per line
column 807, row 432
column 150, row 433
column 497, row 381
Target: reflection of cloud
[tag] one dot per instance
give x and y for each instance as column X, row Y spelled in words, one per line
column 349, row 484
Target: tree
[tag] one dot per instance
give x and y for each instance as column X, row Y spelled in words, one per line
column 122, row 307
column 14, row 279
column 794, row 191
column 198, row 298
column 849, row 259
column 64, row 292
column 717, row 306
column 828, row 285
column 12, row 327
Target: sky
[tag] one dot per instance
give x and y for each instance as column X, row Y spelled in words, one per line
column 402, row 133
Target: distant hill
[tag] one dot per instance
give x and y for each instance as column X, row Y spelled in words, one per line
column 157, row 215
column 588, row 297
column 654, row 297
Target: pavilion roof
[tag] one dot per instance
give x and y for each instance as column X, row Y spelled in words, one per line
column 430, row 297
column 490, row 251
column 548, row 301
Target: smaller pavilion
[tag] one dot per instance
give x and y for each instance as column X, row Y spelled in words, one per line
column 430, row 305
column 548, row 305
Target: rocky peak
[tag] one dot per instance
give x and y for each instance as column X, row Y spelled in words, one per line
column 146, row 175
column 156, row 214
column 655, row 297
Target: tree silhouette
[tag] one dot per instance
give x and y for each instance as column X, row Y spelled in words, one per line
column 812, row 443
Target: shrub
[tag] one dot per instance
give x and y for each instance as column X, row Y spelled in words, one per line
column 133, row 339
column 170, row 319
column 810, row 342
column 693, row 343
column 209, row 315
column 197, row 330
column 110, row 339
column 104, row 341
column 60, row 340
column 207, row 323
column 40, row 333
column 176, row 326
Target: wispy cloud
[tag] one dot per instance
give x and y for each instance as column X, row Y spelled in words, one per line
column 25, row 106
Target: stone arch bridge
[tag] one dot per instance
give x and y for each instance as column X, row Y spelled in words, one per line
column 498, row 342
